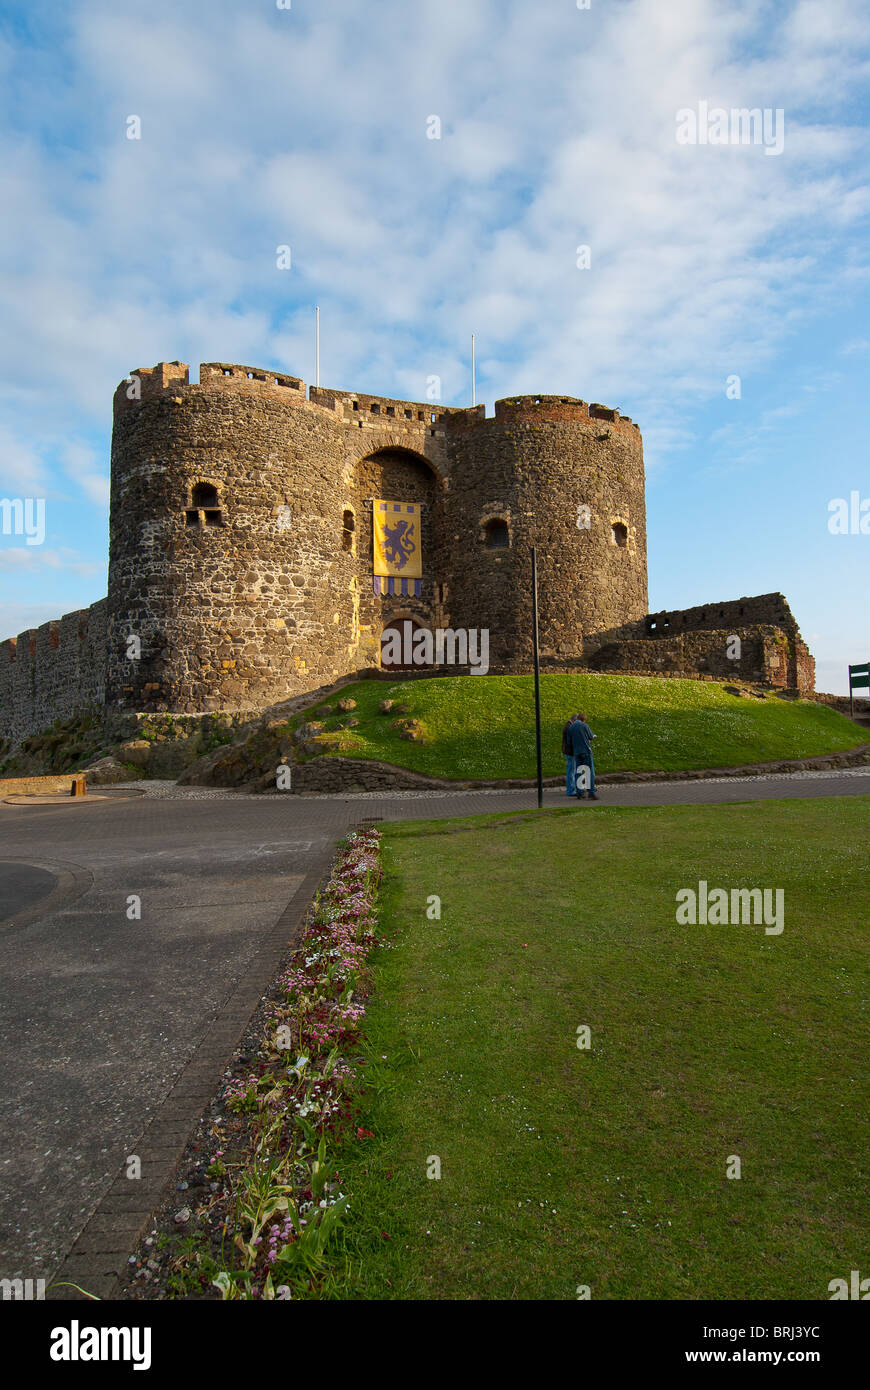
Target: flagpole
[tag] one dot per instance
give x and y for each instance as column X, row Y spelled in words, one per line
column 316, row 346
column 473, row 379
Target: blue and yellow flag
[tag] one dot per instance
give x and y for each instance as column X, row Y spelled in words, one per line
column 398, row 550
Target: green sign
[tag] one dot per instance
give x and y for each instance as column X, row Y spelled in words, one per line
column 859, row 675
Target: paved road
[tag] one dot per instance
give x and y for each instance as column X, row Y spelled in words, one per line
column 101, row 1010
column 112, row 1022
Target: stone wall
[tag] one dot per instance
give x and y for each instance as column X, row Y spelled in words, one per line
column 860, row 704
column 37, row 786
column 693, row 654
column 53, row 672
column 695, row 642
column 334, row 775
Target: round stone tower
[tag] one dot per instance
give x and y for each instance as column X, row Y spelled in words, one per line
column 226, row 499
column 568, row 478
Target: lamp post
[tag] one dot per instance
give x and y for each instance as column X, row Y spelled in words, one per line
column 537, row 656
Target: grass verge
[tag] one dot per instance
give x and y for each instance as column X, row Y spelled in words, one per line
column 562, row 1167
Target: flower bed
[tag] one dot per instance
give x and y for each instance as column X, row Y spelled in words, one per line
column 265, row 1230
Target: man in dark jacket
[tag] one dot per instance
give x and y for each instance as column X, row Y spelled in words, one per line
column 580, row 738
column 570, row 760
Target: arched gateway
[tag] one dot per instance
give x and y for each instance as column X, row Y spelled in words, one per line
column 400, row 502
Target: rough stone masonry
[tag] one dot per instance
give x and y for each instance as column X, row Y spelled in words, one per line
column 240, row 560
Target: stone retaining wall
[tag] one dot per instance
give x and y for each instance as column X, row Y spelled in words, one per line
column 333, row 775
column 841, row 703
column 36, row 786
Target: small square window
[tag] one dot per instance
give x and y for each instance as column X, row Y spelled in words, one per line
column 213, row 518
column 191, row 517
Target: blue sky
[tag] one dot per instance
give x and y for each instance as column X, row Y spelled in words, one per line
column 308, row 127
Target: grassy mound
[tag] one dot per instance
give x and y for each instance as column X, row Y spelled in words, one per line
column 483, row 726
column 607, row 1167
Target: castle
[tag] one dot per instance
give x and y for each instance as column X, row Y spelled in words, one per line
column 241, row 545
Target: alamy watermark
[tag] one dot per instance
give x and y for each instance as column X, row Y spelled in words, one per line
column 856, row 1288
column 739, row 126
column 22, row 1290
column 77, row 1343
column 849, row 518
column 23, row 517
column 743, row 907
column 446, row 646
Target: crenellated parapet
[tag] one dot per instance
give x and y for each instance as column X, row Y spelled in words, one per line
column 536, row 410
column 150, row 384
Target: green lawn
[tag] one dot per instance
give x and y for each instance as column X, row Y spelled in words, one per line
column 563, row 1167
column 483, row 726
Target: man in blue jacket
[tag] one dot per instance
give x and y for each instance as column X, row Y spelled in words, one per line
column 580, row 738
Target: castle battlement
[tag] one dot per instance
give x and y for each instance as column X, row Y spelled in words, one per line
column 556, row 409
column 358, row 408
column 230, row 376
column 172, row 379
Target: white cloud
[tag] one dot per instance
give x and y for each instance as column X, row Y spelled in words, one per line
column 23, row 471
column 82, row 465
column 16, row 618
column 19, row 559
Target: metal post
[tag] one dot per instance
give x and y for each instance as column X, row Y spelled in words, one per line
column 537, row 674
column 316, row 346
column 851, row 700
column 473, row 379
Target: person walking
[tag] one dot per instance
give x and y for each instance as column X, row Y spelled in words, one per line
column 580, row 738
column 570, row 760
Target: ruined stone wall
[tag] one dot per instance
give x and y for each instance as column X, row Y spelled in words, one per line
column 770, row 609
column 53, row 672
column 767, row 655
column 700, row 653
column 787, row 661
